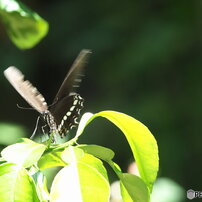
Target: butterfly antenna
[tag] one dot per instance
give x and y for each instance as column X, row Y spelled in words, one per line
column 36, row 126
column 30, row 108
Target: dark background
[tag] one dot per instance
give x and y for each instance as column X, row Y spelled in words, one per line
column 146, row 62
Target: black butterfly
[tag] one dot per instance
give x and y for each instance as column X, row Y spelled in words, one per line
column 62, row 115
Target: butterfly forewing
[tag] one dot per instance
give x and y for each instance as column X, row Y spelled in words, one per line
column 73, row 77
column 26, row 89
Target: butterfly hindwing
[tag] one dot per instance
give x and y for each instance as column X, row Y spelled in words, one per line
column 66, row 119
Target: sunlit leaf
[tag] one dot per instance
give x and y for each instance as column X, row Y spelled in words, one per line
column 41, row 184
column 51, row 159
column 83, row 122
column 141, row 141
column 16, row 184
column 83, row 180
column 25, row 153
column 24, row 27
column 72, row 154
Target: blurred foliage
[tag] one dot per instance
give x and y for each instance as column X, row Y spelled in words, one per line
column 24, row 27
column 162, row 189
column 146, row 62
column 10, row 133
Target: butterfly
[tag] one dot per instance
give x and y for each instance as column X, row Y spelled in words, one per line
column 62, row 115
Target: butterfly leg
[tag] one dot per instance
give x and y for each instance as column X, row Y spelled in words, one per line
column 35, row 129
column 43, row 128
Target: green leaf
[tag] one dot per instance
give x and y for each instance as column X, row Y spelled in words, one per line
column 41, row 184
column 125, row 195
column 83, row 122
column 72, row 154
column 56, row 156
column 51, row 159
column 84, row 180
column 98, row 151
column 24, row 27
column 25, row 153
column 133, row 188
column 16, row 184
column 141, row 141
column 96, row 164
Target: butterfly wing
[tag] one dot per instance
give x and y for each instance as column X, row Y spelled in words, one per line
column 73, row 77
column 26, row 89
column 66, row 112
column 67, row 104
